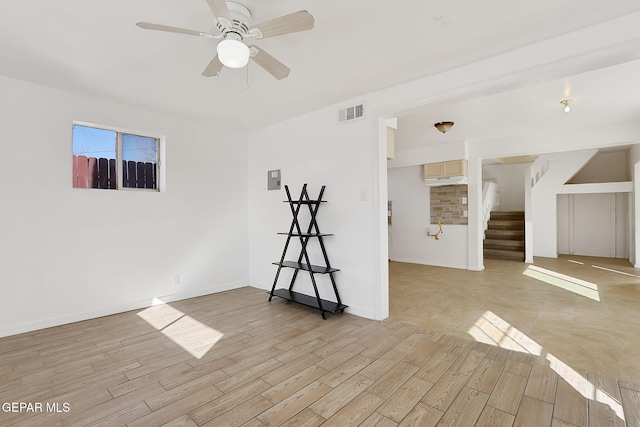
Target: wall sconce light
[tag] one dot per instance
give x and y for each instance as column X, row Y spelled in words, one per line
column 444, row 126
column 567, row 107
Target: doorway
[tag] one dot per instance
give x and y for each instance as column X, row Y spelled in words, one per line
column 594, row 224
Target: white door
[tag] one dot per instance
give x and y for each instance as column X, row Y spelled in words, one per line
column 594, row 225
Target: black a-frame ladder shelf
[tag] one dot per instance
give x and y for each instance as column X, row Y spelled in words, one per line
column 312, row 232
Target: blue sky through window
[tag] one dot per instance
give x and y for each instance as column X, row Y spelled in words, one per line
column 94, row 142
column 101, row 143
column 139, row 148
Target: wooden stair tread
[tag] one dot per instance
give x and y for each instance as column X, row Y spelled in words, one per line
column 504, row 244
column 506, row 225
column 505, row 234
column 508, row 216
column 504, row 254
column 504, row 237
column 507, row 213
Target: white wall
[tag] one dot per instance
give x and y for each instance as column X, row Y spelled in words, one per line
column 634, row 203
column 544, row 198
column 315, row 149
column 511, row 184
column 70, row 254
column 427, row 154
column 605, row 167
column 411, row 218
column 350, row 158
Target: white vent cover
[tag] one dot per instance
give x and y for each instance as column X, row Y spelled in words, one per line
column 351, row 113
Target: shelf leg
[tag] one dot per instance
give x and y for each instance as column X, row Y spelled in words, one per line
column 335, row 289
column 273, row 288
column 315, row 288
column 293, row 279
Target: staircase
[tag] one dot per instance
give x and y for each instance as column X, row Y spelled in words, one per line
column 504, row 237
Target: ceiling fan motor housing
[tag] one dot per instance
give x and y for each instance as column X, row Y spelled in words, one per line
column 239, row 12
column 241, row 16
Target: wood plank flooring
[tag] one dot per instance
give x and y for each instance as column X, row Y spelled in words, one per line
column 539, row 308
column 234, row 359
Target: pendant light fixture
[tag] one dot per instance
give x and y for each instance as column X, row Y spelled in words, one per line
column 444, row 126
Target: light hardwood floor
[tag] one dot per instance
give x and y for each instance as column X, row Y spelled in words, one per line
column 234, row 359
column 584, row 311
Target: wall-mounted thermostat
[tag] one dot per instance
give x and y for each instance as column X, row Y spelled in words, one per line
column 273, row 179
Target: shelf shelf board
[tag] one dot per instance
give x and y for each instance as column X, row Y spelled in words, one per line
column 327, row 306
column 306, row 234
column 304, row 202
column 302, row 266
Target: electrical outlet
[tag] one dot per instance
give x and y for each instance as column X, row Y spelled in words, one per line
column 176, row 280
column 464, row 200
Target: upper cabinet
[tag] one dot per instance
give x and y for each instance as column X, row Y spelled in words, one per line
column 392, row 125
column 391, row 142
column 454, row 168
column 445, row 173
column 445, row 169
column 434, row 170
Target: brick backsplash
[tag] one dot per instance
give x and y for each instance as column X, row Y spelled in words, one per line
column 446, row 204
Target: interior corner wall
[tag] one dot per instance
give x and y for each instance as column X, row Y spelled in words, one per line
column 544, row 199
column 317, row 150
column 634, row 205
column 71, row 254
column 635, row 212
column 510, row 179
column 408, row 240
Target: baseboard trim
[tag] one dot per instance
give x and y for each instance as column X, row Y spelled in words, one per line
column 422, row 262
column 108, row 311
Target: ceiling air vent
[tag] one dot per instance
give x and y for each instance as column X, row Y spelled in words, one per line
column 351, row 113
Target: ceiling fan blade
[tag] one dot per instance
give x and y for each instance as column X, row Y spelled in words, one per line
column 220, row 9
column 292, row 23
column 214, row 67
column 159, row 27
column 274, row 67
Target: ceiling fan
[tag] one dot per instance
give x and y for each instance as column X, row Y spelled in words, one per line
column 232, row 21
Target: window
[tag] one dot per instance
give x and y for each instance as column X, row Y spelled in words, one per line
column 112, row 159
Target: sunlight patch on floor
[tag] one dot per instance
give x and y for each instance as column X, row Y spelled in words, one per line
column 492, row 329
column 193, row 336
column 569, row 283
column 583, row 386
column 615, row 271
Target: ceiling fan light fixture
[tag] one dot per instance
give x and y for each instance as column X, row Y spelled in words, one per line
column 444, row 127
column 567, row 106
column 233, row 53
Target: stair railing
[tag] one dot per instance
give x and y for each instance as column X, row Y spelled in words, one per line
column 489, row 191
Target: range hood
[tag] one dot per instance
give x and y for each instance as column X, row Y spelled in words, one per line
column 450, row 180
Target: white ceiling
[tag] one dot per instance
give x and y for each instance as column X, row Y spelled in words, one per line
column 357, row 46
column 609, row 95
